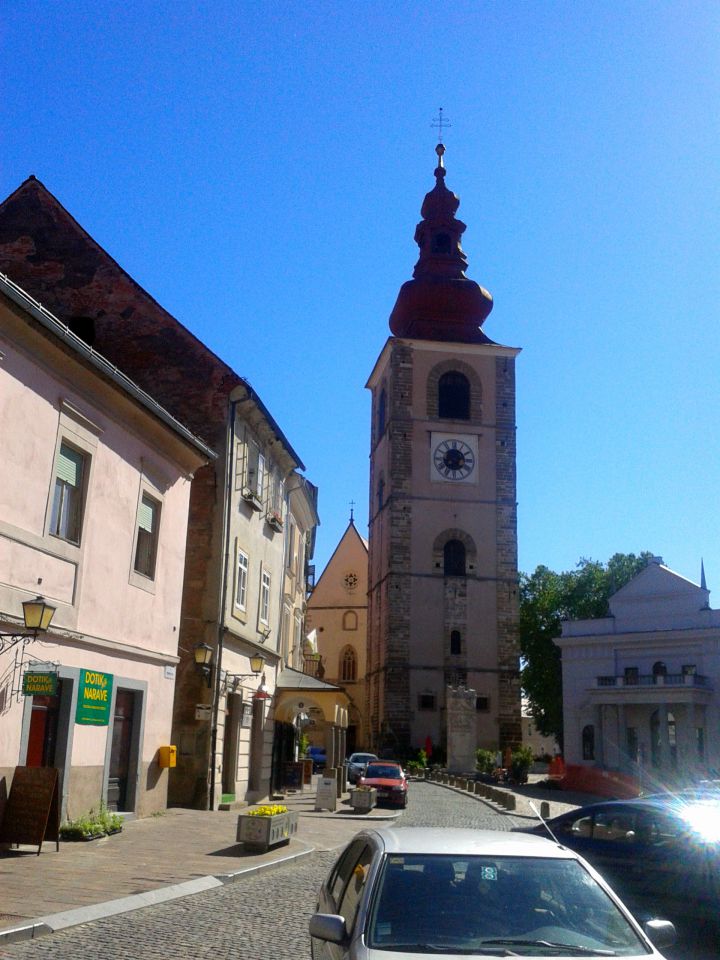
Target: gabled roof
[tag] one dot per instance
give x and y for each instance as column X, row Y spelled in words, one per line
column 52, row 257
column 350, row 542
column 60, row 330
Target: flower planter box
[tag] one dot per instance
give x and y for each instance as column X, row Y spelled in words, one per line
column 363, row 800
column 261, row 833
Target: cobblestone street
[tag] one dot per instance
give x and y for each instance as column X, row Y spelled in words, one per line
column 261, row 917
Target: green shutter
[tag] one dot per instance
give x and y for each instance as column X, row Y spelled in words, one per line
column 69, row 466
column 146, row 515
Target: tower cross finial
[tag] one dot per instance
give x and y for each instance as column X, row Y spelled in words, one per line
column 442, row 123
column 352, row 510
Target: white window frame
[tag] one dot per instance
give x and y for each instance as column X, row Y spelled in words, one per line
column 242, row 571
column 264, row 602
column 147, row 503
column 68, row 497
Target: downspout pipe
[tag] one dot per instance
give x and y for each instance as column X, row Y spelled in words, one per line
column 227, row 504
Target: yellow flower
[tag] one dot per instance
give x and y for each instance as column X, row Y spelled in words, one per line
column 268, row 810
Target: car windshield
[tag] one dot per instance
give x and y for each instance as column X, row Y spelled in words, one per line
column 531, row 906
column 361, row 758
column 385, row 770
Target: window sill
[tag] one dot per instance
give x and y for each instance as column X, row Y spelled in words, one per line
column 142, row 582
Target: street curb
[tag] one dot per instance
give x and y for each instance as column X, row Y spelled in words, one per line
column 111, row 908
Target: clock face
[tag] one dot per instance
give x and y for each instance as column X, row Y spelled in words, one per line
column 453, row 459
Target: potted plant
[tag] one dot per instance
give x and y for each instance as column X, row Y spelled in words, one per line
column 266, row 826
column 363, row 799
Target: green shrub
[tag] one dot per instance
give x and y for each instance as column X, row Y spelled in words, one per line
column 485, row 760
column 521, row 760
column 91, row 824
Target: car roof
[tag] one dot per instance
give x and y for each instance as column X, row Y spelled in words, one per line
column 372, row 756
column 457, row 841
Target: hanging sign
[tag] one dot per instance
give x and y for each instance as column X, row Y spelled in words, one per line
column 39, row 683
column 94, row 698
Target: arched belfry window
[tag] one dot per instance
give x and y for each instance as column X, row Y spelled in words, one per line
column 454, row 554
column 455, row 643
column 348, row 665
column 454, row 396
column 454, row 558
column 381, row 413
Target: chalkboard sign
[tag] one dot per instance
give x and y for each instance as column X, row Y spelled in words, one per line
column 32, row 811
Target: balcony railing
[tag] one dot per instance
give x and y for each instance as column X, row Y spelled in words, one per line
column 313, row 666
column 652, row 680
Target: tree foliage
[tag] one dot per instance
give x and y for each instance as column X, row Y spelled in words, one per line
column 546, row 599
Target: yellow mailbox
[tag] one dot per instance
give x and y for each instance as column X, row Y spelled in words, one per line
column 167, row 756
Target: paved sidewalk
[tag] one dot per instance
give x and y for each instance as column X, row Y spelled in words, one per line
column 172, row 855
column 154, row 859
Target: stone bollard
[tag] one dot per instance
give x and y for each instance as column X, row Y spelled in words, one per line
column 478, row 787
column 510, row 801
column 470, row 785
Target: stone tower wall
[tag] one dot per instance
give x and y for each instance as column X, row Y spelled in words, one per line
column 510, row 731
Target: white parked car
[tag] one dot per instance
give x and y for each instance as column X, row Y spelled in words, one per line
column 356, row 764
column 407, row 893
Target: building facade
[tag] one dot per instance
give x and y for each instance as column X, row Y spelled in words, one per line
column 443, row 583
column 93, row 516
column 337, row 616
column 224, row 748
column 640, row 686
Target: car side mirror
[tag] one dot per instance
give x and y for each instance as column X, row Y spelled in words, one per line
column 662, row 933
column 330, row 927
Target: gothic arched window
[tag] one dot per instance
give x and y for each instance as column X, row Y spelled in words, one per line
column 454, row 558
column 348, row 665
column 454, row 396
column 455, row 642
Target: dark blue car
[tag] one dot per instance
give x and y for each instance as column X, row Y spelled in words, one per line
column 652, row 850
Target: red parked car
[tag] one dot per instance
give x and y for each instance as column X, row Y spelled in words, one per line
column 388, row 778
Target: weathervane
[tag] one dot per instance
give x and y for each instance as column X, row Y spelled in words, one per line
column 441, row 123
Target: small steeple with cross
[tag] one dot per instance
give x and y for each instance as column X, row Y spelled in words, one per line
column 352, row 511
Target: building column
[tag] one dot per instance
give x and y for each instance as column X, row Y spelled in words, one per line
column 663, row 742
column 622, row 738
column 599, row 736
column 330, row 748
column 695, row 718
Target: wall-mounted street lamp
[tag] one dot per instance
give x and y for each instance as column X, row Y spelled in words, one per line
column 37, row 615
column 257, row 662
column 203, row 661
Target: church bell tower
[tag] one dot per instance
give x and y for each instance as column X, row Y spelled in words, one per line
column 443, row 580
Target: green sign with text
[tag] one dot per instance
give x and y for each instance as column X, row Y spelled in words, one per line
column 39, row 684
column 94, row 698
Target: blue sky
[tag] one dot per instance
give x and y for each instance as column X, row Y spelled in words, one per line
column 259, row 169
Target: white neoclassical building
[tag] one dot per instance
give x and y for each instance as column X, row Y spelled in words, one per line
column 640, row 686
